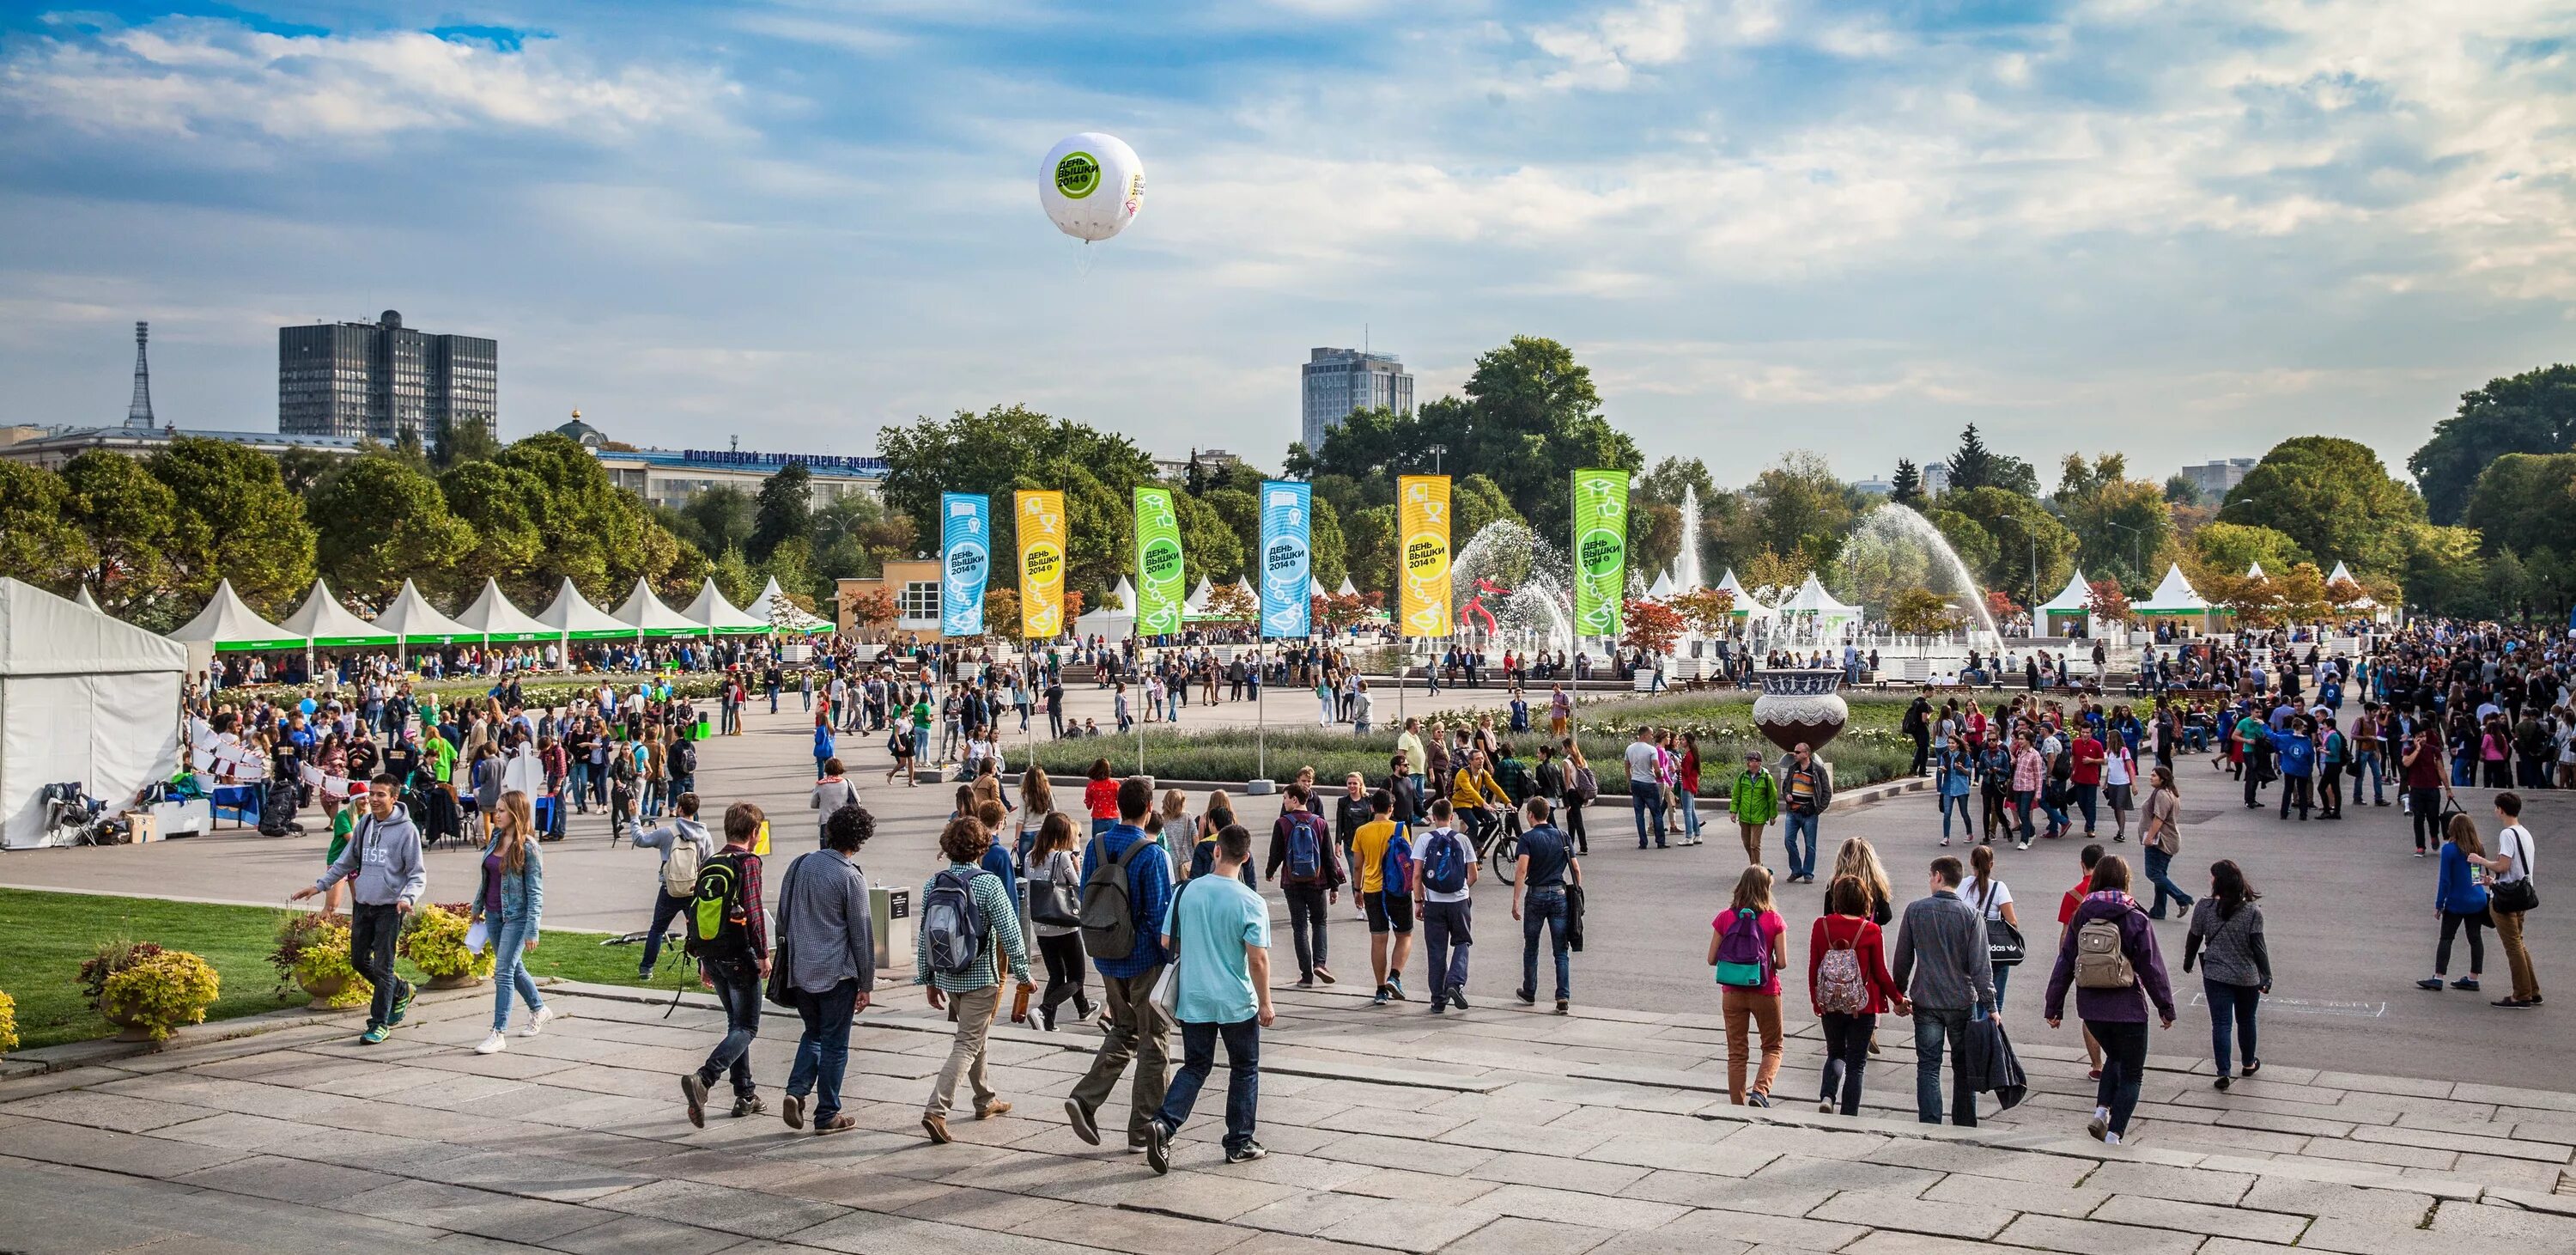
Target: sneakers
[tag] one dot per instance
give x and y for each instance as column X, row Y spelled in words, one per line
column 537, row 1021
column 374, row 1036
column 793, row 1111
column 1560, row 1006
column 748, row 1105
column 1083, row 1125
column 1380, row 999
column 2223, row 1082
column 1757, row 1099
column 2466, row 983
column 494, row 1044
column 2433, row 983
column 2100, row 1125
column 1247, row 1152
column 1158, row 1147
column 1825, row 1106
column 1395, row 985
column 937, row 1128
column 2511, row 1003
column 1305, row 982
column 695, row 1091
column 1528, row 997
column 1457, row 997
column 1439, row 1004
column 402, row 1004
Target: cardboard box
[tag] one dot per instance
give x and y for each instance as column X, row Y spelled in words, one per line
column 141, row 826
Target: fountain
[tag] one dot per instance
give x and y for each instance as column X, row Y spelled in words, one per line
column 1519, row 585
column 1686, row 568
column 1893, row 549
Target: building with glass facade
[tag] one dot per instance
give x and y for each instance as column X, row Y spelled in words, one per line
column 1338, row 381
column 383, row 381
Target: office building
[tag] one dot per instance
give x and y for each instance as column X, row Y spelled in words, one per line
column 383, row 381
column 1936, row 478
column 1338, row 381
column 2216, row 477
column 1208, row 461
column 1873, row 486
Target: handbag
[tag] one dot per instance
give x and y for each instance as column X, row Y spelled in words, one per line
column 2514, row 897
column 2004, row 945
column 1167, row 987
column 1055, row 903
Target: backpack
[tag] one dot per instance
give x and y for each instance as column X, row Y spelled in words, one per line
column 1743, row 960
column 1444, row 863
column 1108, row 909
column 680, row 871
column 953, row 927
column 1841, row 989
column 1586, row 785
column 716, row 912
column 1305, row 849
column 1395, row 868
column 684, row 759
column 2099, row 962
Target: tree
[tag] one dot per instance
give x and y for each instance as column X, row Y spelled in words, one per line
column 1772, row 576
column 38, row 542
column 2524, row 502
column 1709, row 611
column 870, row 608
column 1327, row 551
column 2254, row 602
column 2000, row 605
column 791, row 564
column 499, row 503
column 1230, row 604
column 723, row 515
column 233, row 519
column 2533, row 412
column 1673, row 480
column 2303, row 595
column 734, row 577
column 1654, row 535
column 2107, row 601
column 1907, row 488
column 1976, row 466
column 1002, row 613
column 1073, row 602
column 380, row 522
column 303, row 469
column 1370, row 537
column 783, row 511
column 2182, row 490
column 1977, row 548
column 1240, row 511
column 1799, row 504
column 2032, row 549
column 1338, row 611
column 2118, row 522
column 1210, row 547
column 1651, row 626
column 1011, row 447
column 2506, row 583
column 1475, row 502
column 2231, row 549
column 1920, row 612
column 595, row 534
column 453, row 444
column 128, row 519
column 2332, row 497
column 2444, row 572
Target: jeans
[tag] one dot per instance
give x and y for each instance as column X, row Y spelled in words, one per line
column 2368, row 764
column 920, row 743
column 372, row 932
column 823, row 1049
column 1644, row 797
column 737, row 984
column 1846, row 1054
column 974, row 1009
column 1242, row 1077
column 2124, row 1067
column 1746, row 1011
column 2088, row 798
column 2159, row 874
column 2003, row 977
column 1306, row 927
column 1445, row 932
column 1545, row 906
column 1959, row 803
column 581, row 785
column 2056, row 812
column 1139, row 1030
column 2021, row 800
column 1801, row 862
column 2298, row 790
column 510, row 975
column 1934, row 1029
column 2231, row 1004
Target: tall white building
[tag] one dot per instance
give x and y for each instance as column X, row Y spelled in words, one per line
column 1338, row 381
column 2215, row 477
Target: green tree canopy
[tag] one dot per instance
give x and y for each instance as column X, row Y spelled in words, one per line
column 501, row 504
column 595, row 535
column 722, row 516
column 1210, row 546
column 234, row 519
column 784, row 511
column 2023, row 534
column 1906, row 489
column 1330, row 553
column 2333, row 497
column 380, row 522
column 129, row 519
column 2235, row 548
column 1799, row 503
column 38, row 541
column 1007, row 448
column 2120, row 524
column 1369, row 537
column 2525, row 502
column 2533, row 412
column 1475, row 502
column 1973, row 465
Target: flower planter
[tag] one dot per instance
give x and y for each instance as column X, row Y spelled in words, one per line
column 130, row 1027
column 457, row 981
column 325, row 992
column 1801, row 707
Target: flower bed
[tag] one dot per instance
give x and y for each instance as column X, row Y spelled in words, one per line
column 434, row 941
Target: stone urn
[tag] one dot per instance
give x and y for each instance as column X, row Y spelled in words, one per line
column 1800, row 707
column 325, row 992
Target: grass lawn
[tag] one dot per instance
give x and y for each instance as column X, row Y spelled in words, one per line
column 44, row 937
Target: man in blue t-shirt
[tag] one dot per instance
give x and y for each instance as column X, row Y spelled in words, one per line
column 1220, row 932
column 1138, row 1029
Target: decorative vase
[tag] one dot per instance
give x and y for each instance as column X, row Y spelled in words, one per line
column 1800, row 707
column 323, row 992
column 131, row 1026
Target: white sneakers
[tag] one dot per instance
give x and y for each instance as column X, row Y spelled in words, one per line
column 493, row 1045
column 537, row 1022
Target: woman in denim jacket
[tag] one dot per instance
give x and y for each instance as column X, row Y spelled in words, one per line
column 509, row 897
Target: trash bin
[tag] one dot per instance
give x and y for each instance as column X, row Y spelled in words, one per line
column 890, row 913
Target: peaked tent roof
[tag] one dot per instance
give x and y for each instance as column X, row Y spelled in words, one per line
column 419, row 623
column 2341, row 572
column 1745, row 604
column 87, row 602
column 1347, row 589
column 324, row 621
column 1315, row 587
column 2073, row 598
column 1812, row 599
column 763, row 610
column 498, row 620
column 2174, row 595
column 1663, row 586
column 2255, row 572
column 228, row 624
column 1197, row 600
column 1126, row 595
column 643, row 613
column 41, row 634
column 572, row 615
column 712, row 611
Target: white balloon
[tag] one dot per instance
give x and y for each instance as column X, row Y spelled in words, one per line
column 1092, row 185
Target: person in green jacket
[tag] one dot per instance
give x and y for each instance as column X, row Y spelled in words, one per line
column 1755, row 802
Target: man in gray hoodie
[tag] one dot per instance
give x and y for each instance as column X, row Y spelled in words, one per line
column 383, row 859
column 683, row 830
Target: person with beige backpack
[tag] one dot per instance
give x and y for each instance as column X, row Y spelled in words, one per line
column 2109, row 957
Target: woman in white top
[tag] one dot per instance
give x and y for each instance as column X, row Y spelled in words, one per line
column 1993, row 900
column 2119, row 773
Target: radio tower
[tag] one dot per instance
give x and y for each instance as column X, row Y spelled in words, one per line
column 139, row 413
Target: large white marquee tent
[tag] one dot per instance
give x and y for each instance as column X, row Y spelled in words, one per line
column 83, row 699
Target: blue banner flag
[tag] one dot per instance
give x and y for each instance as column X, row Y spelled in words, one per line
column 1287, row 559
column 966, row 562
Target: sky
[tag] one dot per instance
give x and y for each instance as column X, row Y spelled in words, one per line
column 2181, row 229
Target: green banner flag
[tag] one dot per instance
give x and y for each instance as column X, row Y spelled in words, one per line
column 1600, row 552
column 1159, row 589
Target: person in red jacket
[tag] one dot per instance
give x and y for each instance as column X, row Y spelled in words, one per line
column 1849, row 984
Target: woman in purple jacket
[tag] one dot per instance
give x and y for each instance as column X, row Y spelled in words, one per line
column 2111, row 993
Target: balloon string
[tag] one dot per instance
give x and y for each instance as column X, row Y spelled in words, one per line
column 1082, row 260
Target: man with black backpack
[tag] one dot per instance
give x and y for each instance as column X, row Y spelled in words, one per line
column 729, row 937
column 1307, row 863
column 1126, row 893
column 1446, row 886
column 965, row 915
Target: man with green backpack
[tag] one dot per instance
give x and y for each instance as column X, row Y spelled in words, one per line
column 729, row 937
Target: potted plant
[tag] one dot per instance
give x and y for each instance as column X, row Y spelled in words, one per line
column 435, row 943
column 313, row 953
column 147, row 991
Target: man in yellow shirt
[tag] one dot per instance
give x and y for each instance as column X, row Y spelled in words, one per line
column 1478, row 799
column 1389, row 907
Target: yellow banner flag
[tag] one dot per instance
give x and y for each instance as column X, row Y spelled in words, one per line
column 1041, row 531
column 1422, row 526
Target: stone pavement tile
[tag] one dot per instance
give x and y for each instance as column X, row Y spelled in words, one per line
column 54, row 1208
column 1523, row 1135
column 2505, row 1227
column 287, row 1180
column 1669, row 1242
column 1584, row 1176
column 100, row 1110
column 1800, row 1140
column 2365, row 1237
column 2414, row 1086
column 2092, row 1237
column 1481, row 1107
column 2274, row 1122
column 1298, row 1171
column 1418, row 1227
column 2509, row 1096
column 2499, row 1147
column 2285, row 1100
column 1903, row 1210
column 435, row 1205
column 540, row 1176
column 744, row 1212
column 1393, row 1152
column 1373, row 1119
column 2390, row 1156
column 2252, row 1130
column 232, row 1131
column 990, row 1209
column 1315, row 1211
column 1749, row 1194
column 1894, row 1242
column 1200, row 1195
column 1767, row 1229
column 2219, row 1189
column 1719, row 1158
column 625, row 1234
column 56, row 1082
column 403, row 1118
column 1417, row 1187
column 874, row 1233
column 2325, row 1198
column 1842, row 1174
column 1540, row 1203
column 2489, row 1122
column 1984, row 1161
column 1625, row 1123
column 1514, row 1235
column 284, row 1102
column 866, row 1191
column 2231, row 1222
column 1141, row 1232
column 2050, row 1200
column 1268, row 1243
column 2239, row 1246
column 2507, row 1173
column 132, row 1154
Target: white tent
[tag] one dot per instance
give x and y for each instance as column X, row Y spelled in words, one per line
column 87, row 602
column 2174, row 595
column 645, row 615
column 1124, row 595
column 228, row 624
column 328, row 624
column 1315, row 588
column 573, row 617
column 82, row 698
column 712, row 612
column 765, row 610
column 498, row 621
column 1812, row 599
column 1347, row 589
column 1197, row 600
column 1745, row 606
column 417, row 622
column 2368, row 605
column 2255, row 572
column 1663, row 586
